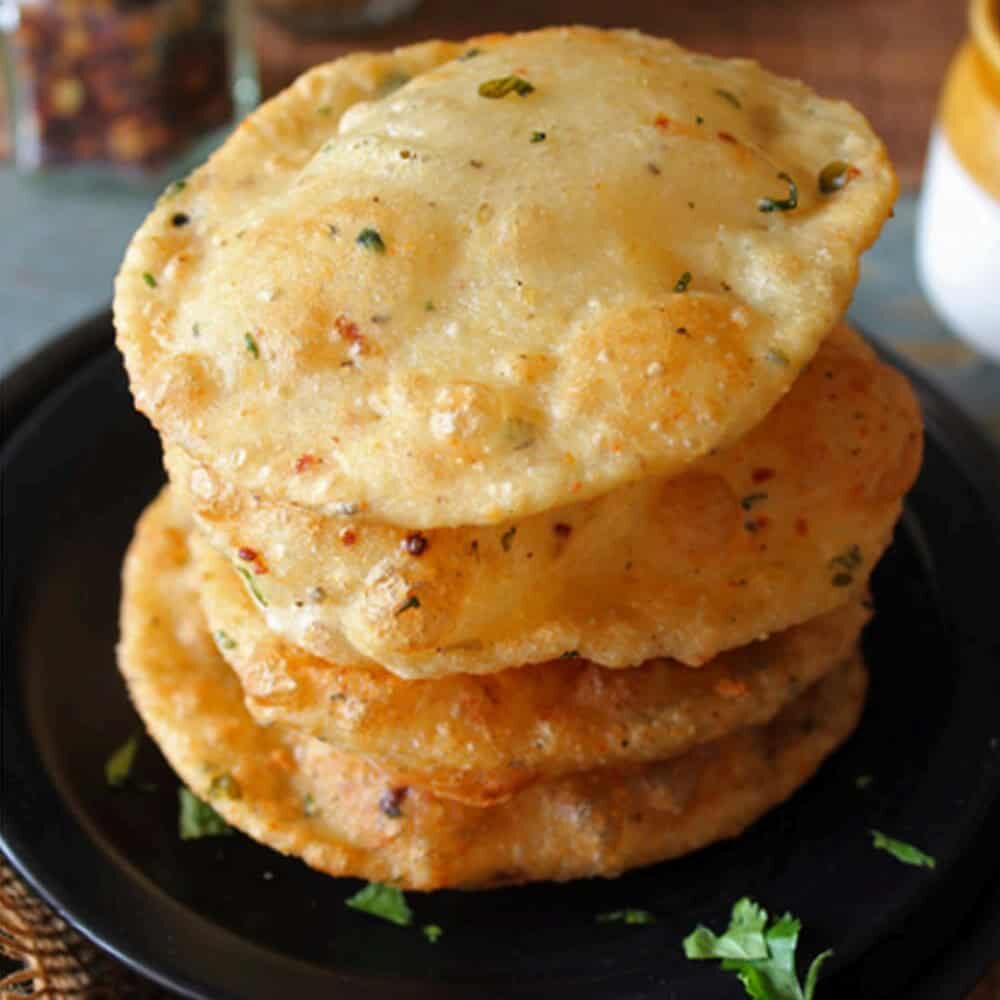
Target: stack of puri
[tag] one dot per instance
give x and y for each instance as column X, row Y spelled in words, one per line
column 525, row 480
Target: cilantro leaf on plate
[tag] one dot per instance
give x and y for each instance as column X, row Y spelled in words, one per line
column 198, row 819
column 630, row 915
column 385, row 901
column 118, row 766
column 902, row 851
column 762, row 957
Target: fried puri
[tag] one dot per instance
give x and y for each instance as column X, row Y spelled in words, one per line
column 481, row 739
column 389, row 301
column 778, row 528
column 345, row 816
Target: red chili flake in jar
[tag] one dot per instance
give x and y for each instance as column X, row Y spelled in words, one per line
column 762, row 475
column 415, row 543
column 306, row 461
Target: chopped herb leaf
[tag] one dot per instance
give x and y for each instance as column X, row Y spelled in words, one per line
column 569, row 654
column 385, row 901
column 863, row 781
column 118, row 766
column 729, row 96
column 175, row 188
column 538, row 136
column 309, row 807
column 504, row 85
column 902, row 851
column 225, row 785
column 748, row 502
column 252, row 584
column 252, row 349
column 835, row 176
column 507, row 538
column 781, row 204
column 224, row 640
column 180, row 219
column 681, row 285
column 411, row 602
column 370, row 240
column 432, row 932
column 198, row 819
column 626, row 916
column 391, row 84
column 149, row 279
column 429, row 306
column 471, row 54
column 699, row 120
column 324, row 109
column 776, row 357
column 762, row 957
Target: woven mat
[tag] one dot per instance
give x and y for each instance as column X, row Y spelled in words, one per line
column 51, row 959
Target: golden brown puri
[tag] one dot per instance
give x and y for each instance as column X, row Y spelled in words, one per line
column 435, row 305
column 345, row 816
column 776, row 529
column 481, row 739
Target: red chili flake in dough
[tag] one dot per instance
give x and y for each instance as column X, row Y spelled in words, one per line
column 415, row 543
column 348, row 330
column 762, row 475
column 728, row 688
column 348, row 536
column 728, row 137
column 563, row 530
column 306, row 461
column 391, row 801
column 662, row 122
column 801, row 527
column 254, row 557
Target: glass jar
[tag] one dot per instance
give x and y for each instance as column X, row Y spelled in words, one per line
column 136, row 85
column 958, row 228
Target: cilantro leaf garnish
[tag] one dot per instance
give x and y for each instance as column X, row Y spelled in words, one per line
column 252, row 584
column 432, row 932
column 762, row 957
column 198, row 819
column 384, row 901
column 781, row 204
column 370, row 239
column 629, row 915
column 504, row 85
column 118, row 766
column 902, row 851
column 251, row 344
column 391, row 83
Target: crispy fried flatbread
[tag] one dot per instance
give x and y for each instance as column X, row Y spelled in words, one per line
column 576, row 259
column 345, row 816
column 780, row 527
column 481, row 739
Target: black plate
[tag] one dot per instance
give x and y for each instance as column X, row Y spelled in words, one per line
column 228, row 918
